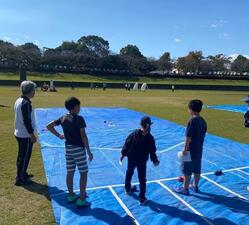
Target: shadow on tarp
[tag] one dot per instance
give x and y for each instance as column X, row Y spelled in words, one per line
column 60, row 198
column 185, row 215
column 235, row 204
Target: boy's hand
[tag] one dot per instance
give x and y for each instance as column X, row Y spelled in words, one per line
column 61, row 136
column 90, row 156
column 156, row 163
column 184, row 152
column 122, row 158
column 33, row 138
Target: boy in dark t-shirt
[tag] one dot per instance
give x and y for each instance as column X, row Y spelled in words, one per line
column 195, row 135
column 138, row 146
column 77, row 146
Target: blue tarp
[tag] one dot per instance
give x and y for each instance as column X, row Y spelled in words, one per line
column 107, row 129
column 230, row 108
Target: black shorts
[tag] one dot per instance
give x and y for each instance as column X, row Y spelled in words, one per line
column 191, row 167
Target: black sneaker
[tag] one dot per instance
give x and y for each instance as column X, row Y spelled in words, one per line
column 195, row 188
column 143, row 201
column 28, row 175
column 132, row 189
column 23, row 183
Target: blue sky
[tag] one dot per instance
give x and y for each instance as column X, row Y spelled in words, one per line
column 155, row 26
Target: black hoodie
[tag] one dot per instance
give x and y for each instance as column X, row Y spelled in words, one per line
column 138, row 147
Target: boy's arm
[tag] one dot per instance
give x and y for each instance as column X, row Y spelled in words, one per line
column 86, row 143
column 153, row 156
column 127, row 145
column 189, row 134
column 51, row 128
column 186, row 146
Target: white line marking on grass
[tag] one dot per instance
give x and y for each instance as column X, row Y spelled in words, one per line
column 167, row 149
column 184, row 202
column 224, row 188
column 150, row 181
column 123, row 205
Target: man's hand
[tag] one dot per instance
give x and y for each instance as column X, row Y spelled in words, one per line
column 184, row 152
column 121, row 158
column 156, row 163
column 32, row 138
column 61, row 136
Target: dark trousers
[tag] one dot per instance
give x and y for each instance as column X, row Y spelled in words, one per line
column 24, row 153
column 141, row 170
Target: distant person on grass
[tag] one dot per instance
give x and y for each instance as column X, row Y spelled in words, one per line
column 76, row 148
column 195, row 134
column 246, row 115
column 138, row 146
column 24, row 131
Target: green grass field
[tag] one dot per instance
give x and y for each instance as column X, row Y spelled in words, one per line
column 23, row 206
column 120, row 79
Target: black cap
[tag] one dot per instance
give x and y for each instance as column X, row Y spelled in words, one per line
column 146, row 121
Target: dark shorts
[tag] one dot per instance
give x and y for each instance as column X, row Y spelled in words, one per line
column 191, row 167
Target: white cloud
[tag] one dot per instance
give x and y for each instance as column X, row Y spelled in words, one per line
column 177, row 40
column 7, row 38
column 235, row 55
column 214, row 25
column 37, row 42
column 27, row 36
column 224, row 35
column 223, row 21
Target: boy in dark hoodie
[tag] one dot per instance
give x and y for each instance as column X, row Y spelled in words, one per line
column 138, row 146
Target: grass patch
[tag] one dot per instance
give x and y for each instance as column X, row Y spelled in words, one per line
column 22, row 206
column 118, row 79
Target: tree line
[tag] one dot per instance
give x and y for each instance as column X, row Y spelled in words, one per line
column 92, row 53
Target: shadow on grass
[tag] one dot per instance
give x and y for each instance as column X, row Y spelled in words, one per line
column 4, row 106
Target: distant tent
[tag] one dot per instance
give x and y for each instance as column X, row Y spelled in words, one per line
column 144, row 87
column 51, row 84
column 135, row 87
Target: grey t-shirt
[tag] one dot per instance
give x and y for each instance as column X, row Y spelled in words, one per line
column 196, row 130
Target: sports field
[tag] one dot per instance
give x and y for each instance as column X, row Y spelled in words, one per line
column 117, row 79
column 163, row 104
